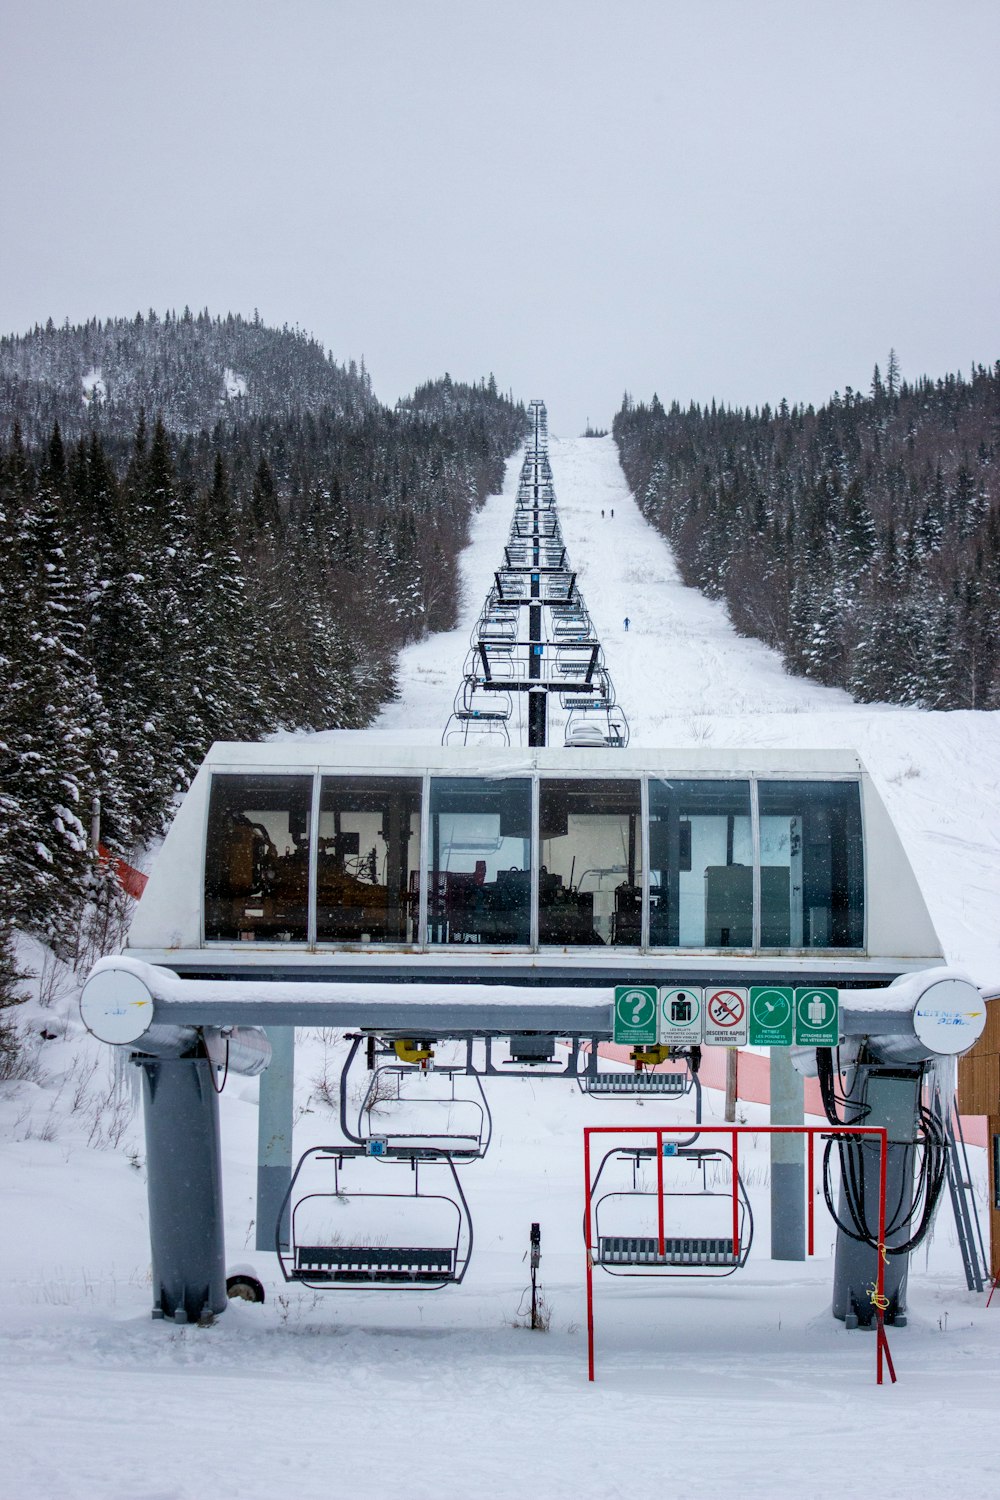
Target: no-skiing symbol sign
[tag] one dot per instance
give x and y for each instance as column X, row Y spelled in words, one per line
column 726, row 1017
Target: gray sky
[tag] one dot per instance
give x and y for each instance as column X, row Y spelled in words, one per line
column 698, row 197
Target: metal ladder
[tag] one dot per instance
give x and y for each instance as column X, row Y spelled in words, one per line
column 963, row 1203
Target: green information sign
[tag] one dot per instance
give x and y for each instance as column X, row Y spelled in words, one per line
column 817, row 1017
column 772, row 1015
column 636, row 1007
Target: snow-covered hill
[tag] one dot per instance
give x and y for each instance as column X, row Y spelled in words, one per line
column 685, row 678
column 745, row 1384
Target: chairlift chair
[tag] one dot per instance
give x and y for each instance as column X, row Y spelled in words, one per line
column 495, row 627
column 479, row 725
column 351, row 1257
column 627, row 1253
column 398, row 1089
column 478, row 715
column 574, row 661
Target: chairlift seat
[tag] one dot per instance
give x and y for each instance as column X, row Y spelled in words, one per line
column 644, row 1250
column 374, row 1263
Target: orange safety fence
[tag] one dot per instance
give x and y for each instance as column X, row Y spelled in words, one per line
column 131, row 880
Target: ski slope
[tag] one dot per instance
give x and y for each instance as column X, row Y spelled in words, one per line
column 685, row 678
column 744, row 1384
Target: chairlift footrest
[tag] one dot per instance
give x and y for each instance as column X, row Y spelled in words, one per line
column 637, row 1083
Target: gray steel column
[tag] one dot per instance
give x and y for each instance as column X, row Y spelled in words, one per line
column 184, row 1175
column 274, row 1136
column 788, row 1208
column 889, row 1097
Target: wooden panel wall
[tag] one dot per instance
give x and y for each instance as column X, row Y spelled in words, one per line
column 979, row 1094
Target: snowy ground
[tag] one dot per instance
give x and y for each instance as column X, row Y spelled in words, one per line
column 743, row 1384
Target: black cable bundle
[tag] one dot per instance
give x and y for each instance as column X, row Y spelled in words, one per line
column 851, row 1151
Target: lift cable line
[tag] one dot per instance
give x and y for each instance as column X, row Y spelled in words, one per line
column 534, row 641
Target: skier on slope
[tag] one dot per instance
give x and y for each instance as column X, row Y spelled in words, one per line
column 626, row 624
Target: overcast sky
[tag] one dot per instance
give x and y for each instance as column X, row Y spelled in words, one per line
column 742, row 199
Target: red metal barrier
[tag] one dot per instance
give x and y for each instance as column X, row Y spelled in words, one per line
column 734, row 1132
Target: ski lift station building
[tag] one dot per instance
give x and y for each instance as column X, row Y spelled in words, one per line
column 339, row 859
column 496, row 896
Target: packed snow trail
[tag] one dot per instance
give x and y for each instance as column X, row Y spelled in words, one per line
column 680, row 658
column 744, row 1385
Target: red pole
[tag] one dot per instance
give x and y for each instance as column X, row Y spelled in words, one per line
column 811, row 1183
column 736, row 1201
column 880, row 1278
column 881, row 1340
column 659, row 1189
column 590, row 1263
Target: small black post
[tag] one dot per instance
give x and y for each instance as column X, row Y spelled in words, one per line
column 536, row 1255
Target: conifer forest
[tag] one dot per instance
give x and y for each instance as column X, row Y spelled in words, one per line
column 861, row 540
column 209, row 531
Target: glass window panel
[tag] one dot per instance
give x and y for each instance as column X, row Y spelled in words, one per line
column 257, row 859
column 368, row 859
column 590, row 881
column 812, row 864
column 480, row 861
column 700, row 864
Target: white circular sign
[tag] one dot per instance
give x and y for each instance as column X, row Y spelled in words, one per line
column 636, row 1007
column 116, row 1006
column 950, row 1016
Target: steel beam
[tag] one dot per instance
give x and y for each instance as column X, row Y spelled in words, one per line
column 274, row 1136
column 788, row 1228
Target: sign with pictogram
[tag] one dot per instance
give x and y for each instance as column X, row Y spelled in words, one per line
column 726, row 1016
column 681, row 1017
column 817, row 1017
column 772, row 1015
column 635, row 1018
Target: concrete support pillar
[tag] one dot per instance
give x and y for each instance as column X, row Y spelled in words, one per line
column 184, row 1174
column 274, row 1136
column 788, row 1208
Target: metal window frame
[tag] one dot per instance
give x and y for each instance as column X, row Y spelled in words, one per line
column 535, row 776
